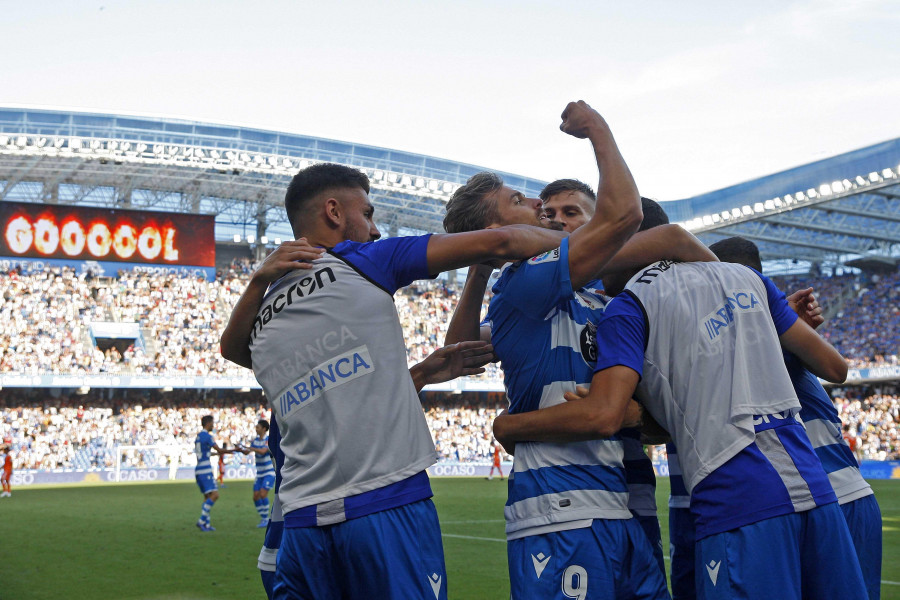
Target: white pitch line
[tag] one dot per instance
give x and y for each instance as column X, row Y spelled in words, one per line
column 473, row 521
column 890, row 582
column 472, row 537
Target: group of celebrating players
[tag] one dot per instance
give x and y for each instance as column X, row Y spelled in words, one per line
column 708, row 356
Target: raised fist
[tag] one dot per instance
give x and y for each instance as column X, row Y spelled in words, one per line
column 578, row 119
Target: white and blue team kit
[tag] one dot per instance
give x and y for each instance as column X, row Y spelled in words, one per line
column 328, row 349
column 568, row 503
column 203, row 472
column 704, row 338
column 265, row 471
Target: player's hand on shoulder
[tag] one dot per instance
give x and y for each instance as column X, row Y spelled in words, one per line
column 579, row 120
column 289, row 256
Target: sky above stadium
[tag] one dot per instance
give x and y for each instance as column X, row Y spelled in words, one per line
column 700, row 95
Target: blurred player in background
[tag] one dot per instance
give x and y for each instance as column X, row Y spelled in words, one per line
column 265, row 470
column 203, row 447
column 220, row 475
column 6, row 470
column 496, row 463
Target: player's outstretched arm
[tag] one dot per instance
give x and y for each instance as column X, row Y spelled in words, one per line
column 452, row 361
column 448, row 251
column 465, row 323
column 672, row 242
column 819, row 356
column 291, row 255
column 600, row 413
column 618, row 213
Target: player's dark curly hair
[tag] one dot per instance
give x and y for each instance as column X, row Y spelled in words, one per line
column 205, row 419
column 313, row 181
column 566, row 185
column 468, row 209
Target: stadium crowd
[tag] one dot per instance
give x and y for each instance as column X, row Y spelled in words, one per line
column 82, row 431
column 46, row 318
column 45, row 327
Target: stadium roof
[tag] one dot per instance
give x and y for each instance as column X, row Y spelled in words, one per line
column 237, row 173
column 843, row 210
column 839, row 211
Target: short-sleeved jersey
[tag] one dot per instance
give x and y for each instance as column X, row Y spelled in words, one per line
column 823, row 425
column 704, row 338
column 544, row 334
column 264, row 465
column 203, row 445
column 328, row 349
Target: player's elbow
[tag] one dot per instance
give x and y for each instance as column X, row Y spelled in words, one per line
column 836, row 371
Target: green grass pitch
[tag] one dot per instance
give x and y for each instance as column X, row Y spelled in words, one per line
column 138, row 541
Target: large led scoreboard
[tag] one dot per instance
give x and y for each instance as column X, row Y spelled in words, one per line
column 106, row 240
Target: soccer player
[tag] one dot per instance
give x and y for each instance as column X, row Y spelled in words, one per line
column 265, row 471
column 6, row 474
column 702, row 339
column 823, row 425
column 496, row 463
column 444, row 364
column 204, row 445
column 328, row 349
column 567, row 505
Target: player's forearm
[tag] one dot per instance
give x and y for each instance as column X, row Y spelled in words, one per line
column 820, row 357
column 575, row 421
column 465, row 323
column 618, row 200
column 671, row 242
column 235, row 342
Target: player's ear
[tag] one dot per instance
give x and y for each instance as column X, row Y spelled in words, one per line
column 333, row 211
column 493, row 226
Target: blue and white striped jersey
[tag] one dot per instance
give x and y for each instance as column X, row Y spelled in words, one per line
column 823, row 426
column 202, row 448
column 545, row 336
column 704, row 338
column 264, row 465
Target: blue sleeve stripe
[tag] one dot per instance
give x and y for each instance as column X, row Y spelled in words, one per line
column 564, row 478
column 362, row 273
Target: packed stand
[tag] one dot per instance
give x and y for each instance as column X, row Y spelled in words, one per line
column 46, row 317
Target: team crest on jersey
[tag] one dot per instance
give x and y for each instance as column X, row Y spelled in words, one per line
column 588, row 340
column 551, row 256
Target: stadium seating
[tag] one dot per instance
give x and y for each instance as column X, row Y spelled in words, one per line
column 45, row 324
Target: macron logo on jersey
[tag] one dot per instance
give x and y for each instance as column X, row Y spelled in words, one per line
column 327, row 376
column 735, row 302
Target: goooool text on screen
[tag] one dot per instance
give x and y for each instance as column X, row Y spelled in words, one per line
column 96, row 234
